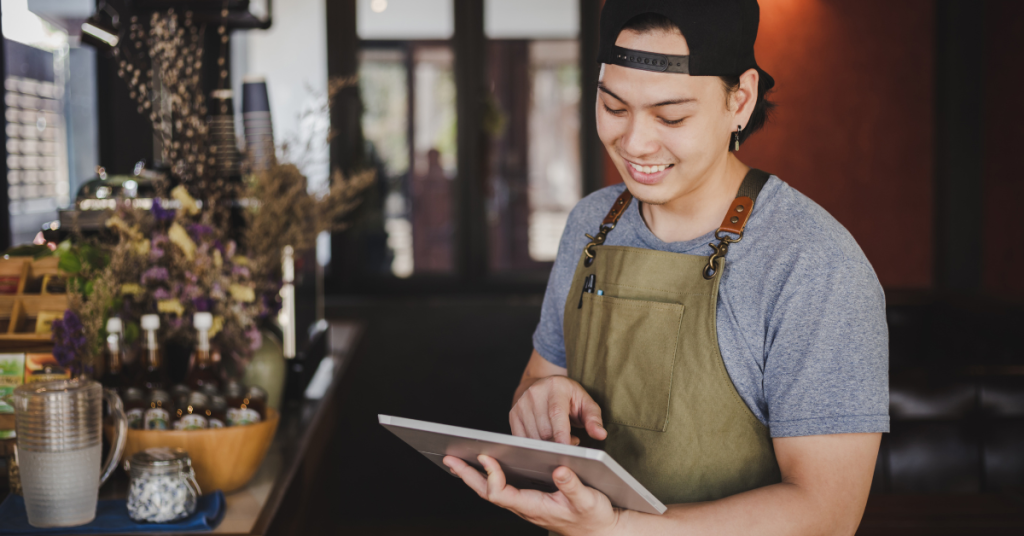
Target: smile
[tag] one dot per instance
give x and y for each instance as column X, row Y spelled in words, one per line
column 649, row 169
column 647, row 174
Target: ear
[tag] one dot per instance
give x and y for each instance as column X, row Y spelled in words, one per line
column 742, row 100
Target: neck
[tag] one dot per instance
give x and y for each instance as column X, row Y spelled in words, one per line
column 700, row 209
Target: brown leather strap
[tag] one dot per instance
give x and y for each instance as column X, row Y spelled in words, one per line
column 736, row 217
column 618, row 208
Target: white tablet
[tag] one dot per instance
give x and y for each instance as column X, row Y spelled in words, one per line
column 528, row 463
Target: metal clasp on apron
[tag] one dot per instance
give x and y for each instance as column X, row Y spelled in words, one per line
column 720, row 250
column 596, row 241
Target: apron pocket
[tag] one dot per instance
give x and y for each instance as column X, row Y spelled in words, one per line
column 628, row 351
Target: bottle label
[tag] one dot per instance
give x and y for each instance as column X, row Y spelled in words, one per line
column 242, row 417
column 157, row 419
column 134, row 416
column 216, row 423
column 191, row 422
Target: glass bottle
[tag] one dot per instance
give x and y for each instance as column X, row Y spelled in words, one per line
column 218, row 412
column 152, row 374
column 203, row 370
column 114, row 357
column 158, row 415
column 250, row 408
column 134, row 407
column 180, row 394
column 193, row 416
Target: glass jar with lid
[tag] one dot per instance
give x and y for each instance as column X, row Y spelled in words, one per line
column 162, row 485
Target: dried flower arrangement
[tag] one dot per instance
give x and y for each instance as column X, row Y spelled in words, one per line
column 183, row 256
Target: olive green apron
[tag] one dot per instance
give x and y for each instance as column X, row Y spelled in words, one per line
column 640, row 337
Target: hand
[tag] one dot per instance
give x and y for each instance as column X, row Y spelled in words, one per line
column 548, row 408
column 573, row 509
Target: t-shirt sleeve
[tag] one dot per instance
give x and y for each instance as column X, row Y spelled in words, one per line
column 827, row 355
column 548, row 338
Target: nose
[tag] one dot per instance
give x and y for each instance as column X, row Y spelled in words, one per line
column 639, row 139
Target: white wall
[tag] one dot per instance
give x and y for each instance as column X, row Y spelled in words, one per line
column 292, row 56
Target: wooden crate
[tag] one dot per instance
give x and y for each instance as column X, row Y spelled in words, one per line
column 19, row 311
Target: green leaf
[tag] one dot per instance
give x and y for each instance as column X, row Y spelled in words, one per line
column 94, row 256
column 68, row 262
column 87, row 289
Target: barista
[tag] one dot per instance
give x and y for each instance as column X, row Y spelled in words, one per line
column 744, row 384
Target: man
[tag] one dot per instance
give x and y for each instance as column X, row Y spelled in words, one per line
column 745, row 386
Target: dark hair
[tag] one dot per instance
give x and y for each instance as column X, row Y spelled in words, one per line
column 653, row 22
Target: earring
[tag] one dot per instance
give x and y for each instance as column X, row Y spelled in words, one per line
column 736, row 138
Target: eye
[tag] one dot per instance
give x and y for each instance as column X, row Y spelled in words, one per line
column 672, row 121
column 613, row 112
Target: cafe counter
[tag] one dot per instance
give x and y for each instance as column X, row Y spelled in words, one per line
column 271, row 503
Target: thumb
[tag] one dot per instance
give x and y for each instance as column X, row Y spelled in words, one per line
column 570, row 486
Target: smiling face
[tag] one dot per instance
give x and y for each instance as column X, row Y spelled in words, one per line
column 667, row 133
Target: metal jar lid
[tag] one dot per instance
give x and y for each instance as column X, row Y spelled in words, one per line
column 161, row 458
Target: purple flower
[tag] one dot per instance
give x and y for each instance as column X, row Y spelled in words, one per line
column 160, row 213
column 72, row 322
column 198, row 231
column 155, row 253
column 68, row 338
column 201, row 304
column 240, row 270
column 156, row 273
column 161, row 294
column 192, row 291
column 255, row 338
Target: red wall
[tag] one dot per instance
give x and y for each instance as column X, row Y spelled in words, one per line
column 855, row 120
column 1004, row 177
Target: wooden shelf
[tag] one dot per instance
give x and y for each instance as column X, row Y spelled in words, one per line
column 19, row 311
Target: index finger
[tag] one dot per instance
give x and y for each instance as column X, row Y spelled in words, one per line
column 558, row 414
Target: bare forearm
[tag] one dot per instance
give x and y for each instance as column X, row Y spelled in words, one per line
column 825, row 485
column 781, row 509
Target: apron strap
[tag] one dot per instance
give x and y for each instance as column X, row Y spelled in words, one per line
column 616, row 212
column 734, row 222
column 736, row 218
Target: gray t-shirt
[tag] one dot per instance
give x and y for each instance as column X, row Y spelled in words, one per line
column 801, row 315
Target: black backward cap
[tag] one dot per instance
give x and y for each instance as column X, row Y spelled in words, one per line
column 719, row 33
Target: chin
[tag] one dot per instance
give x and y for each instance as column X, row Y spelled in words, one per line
column 649, row 195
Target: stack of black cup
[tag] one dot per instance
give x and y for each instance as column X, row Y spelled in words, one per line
column 259, row 130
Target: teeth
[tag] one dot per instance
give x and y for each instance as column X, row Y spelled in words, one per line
column 649, row 169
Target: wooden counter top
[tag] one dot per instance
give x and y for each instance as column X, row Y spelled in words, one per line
column 261, row 507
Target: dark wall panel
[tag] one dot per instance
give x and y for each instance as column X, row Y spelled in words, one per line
column 855, row 122
column 1002, row 253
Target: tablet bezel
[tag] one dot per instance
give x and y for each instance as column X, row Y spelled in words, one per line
column 528, row 463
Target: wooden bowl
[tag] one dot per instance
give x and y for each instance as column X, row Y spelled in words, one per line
column 223, row 458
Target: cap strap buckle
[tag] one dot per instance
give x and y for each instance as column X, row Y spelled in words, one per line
column 649, row 61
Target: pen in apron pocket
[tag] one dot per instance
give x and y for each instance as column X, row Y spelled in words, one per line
column 588, row 286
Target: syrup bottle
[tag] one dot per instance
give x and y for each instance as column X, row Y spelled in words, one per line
column 152, row 375
column 194, row 416
column 114, row 357
column 203, row 369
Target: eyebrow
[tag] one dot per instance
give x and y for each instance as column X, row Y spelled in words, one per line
column 601, row 87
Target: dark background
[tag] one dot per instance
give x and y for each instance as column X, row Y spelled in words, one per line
column 900, row 118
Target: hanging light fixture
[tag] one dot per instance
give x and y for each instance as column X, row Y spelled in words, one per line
column 101, row 29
